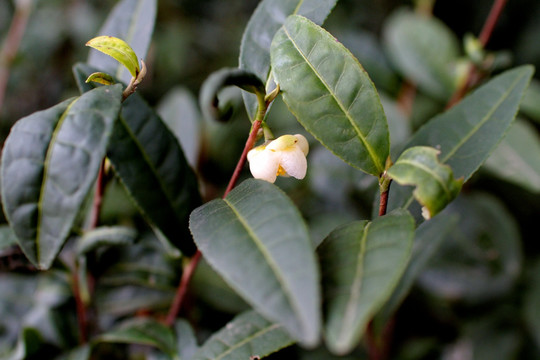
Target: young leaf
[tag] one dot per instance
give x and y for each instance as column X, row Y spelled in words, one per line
column 132, row 21
column 516, row 158
column 435, row 184
column 330, row 94
column 49, row 163
column 100, row 78
column 143, row 331
column 265, row 21
column 249, row 334
column 257, row 241
column 423, row 49
column 362, row 262
column 119, row 50
column 146, row 155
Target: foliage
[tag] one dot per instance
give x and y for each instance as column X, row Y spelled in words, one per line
column 132, row 228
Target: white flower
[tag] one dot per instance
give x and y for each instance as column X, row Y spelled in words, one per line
column 285, row 156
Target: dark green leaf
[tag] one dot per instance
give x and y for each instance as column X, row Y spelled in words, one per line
column 7, row 237
column 28, row 344
column 249, row 334
column 220, row 79
column 49, row 163
column 530, row 306
column 482, row 258
column 257, row 241
column 468, row 132
column 133, row 22
column 265, row 21
column 424, row 50
column 516, row 158
column 428, row 239
column 146, row 156
column 434, row 182
column 105, row 236
column 142, row 331
column 362, row 262
column 337, row 101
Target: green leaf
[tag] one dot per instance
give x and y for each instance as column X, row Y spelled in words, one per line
column 265, row 21
column 257, row 241
column 27, row 345
column 434, row 182
column 186, row 342
column 336, row 102
column 428, row 239
column 516, row 158
column 105, row 236
column 362, row 262
column 530, row 106
column 100, row 78
column 49, row 163
column 423, row 49
column 80, row 353
column 146, row 155
column 142, row 331
column 7, row 237
column 220, row 79
column 247, row 335
column 180, row 112
column 119, row 50
column 468, row 132
column 132, row 21
column 482, row 258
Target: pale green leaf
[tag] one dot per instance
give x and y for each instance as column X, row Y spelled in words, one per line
column 130, row 20
column 265, row 21
column 361, row 263
column 119, row 50
column 257, row 241
column 434, row 182
column 100, row 78
column 247, row 335
column 49, row 163
column 516, row 159
column 424, row 50
column 186, row 342
column 530, row 106
column 336, row 102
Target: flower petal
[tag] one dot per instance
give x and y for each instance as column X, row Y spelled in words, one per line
column 302, row 143
column 263, row 164
column 294, row 162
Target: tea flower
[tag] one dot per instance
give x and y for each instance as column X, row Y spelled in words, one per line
column 285, row 156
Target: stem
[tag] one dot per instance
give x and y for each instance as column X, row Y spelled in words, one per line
column 383, row 202
column 190, row 268
column 485, row 35
column 82, row 318
column 12, row 42
column 98, row 196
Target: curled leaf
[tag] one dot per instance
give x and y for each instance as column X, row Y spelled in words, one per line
column 434, row 181
column 101, row 78
column 119, row 50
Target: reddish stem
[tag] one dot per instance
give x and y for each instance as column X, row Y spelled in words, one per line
column 190, row 268
column 98, row 196
column 11, row 45
column 82, row 318
column 485, row 35
column 383, row 202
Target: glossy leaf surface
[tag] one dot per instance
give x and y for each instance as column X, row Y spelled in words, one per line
column 257, row 241
column 146, row 155
column 361, row 263
column 249, row 334
column 516, row 158
column 423, row 49
column 119, row 50
column 265, row 21
column 49, row 163
column 434, row 182
column 336, row 102
column 133, row 22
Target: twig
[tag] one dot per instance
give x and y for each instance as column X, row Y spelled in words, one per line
column 12, row 42
column 485, row 35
